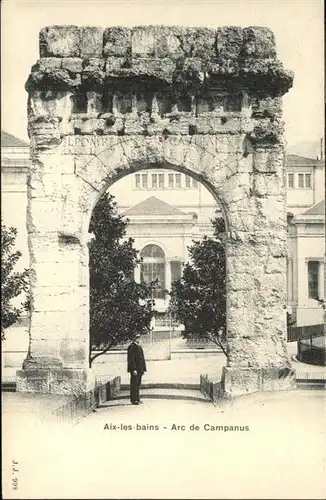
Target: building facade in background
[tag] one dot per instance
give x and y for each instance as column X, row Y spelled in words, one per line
column 167, row 210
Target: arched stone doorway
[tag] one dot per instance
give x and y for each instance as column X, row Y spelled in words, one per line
column 187, row 115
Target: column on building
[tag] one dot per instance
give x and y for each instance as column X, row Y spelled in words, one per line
column 289, row 280
column 321, row 280
column 137, row 274
column 168, row 274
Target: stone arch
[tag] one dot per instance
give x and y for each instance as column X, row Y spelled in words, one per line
column 207, row 163
column 228, row 136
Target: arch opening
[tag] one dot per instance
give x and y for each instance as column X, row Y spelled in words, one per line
column 159, row 204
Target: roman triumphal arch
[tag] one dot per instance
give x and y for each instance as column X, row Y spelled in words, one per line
column 104, row 103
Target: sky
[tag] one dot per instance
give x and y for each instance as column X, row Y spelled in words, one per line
column 298, row 26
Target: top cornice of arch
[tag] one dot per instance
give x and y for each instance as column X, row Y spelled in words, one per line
column 188, row 58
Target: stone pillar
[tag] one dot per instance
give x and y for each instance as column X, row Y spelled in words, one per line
column 256, row 288
column 256, row 325
column 58, row 355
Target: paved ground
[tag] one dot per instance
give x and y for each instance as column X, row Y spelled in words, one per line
column 179, row 370
column 183, row 370
column 135, row 451
column 189, row 370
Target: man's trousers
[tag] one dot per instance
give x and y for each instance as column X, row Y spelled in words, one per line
column 135, row 382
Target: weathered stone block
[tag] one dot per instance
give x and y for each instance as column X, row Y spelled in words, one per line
column 180, row 127
column 143, row 68
column 266, row 161
column 60, row 326
column 60, row 298
column 268, row 107
column 33, row 381
column 92, row 126
column 72, row 64
column 275, row 265
column 115, row 127
column 229, row 42
column 143, row 42
column 91, row 44
column 55, row 381
column 197, row 42
column 239, row 381
column 133, row 125
column 268, row 132
column 241, row 329
column 205, row 125
column 113, row 65
column 45, row 353
column 258, row 42
column 52, row 275
column 266, row 185
column 93, row 74
column 53, row 78
column 60, row 41
column 167, row 44
column 74, row 352
column 72, row 381
column 117, row 41
column 278, row 379
column 47, row 63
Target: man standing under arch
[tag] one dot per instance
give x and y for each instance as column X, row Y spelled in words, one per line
column 136, row 368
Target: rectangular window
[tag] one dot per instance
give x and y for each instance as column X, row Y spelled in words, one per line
column 188, row 181
column 301, row 180
column 154, row 181
column 178, row 180
column 171, row 180
column 308, row 180
column 194, row 184
column 291, row 180
column 144, row 181
column 313, row 268
column 145, row 273
column 137, row 181
column 153, row 271
column 161, row 181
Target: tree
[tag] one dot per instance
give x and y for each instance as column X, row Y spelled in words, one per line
column 198, row 298
column 119, row 307
column 13, row 283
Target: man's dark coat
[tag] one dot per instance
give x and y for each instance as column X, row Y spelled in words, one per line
column 136, row 359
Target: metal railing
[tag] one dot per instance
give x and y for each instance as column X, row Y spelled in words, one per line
column 312, row 350
column 304, row 332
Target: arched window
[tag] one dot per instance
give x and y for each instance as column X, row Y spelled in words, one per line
column 153, row 268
